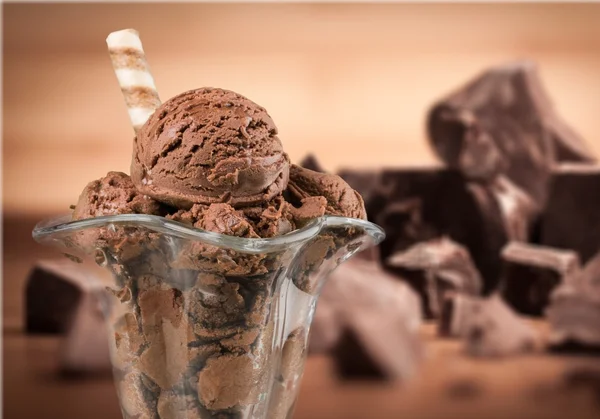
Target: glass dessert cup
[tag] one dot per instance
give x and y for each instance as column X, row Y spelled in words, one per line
column 204, row 325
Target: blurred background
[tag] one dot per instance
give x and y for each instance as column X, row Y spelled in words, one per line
column 348, row 82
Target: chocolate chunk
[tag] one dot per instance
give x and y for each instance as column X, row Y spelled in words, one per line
column 361, row 285
column 504, row 122
column 494, row 330
column 428, row 203
column 574, row 311
column 572, row 216
column 54, row 290
column 378, row 317
column 531, row 273
column 490, row 328
column 310, row 162
column 434, row 268
column 375, row 346
column 86, row 347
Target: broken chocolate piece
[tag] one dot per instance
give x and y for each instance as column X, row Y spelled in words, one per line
column 375, row 346
column 574, row 311
column 361, row 285
column 428, row 202
column 434, row 268
column 86, row 347
column 494, row 330
column 310, row 162
column 572, row 216
column 54, row 290
column 490, row 328
column 531, row 273
column 504, row 122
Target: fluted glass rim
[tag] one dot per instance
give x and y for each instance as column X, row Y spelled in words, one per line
column 65, row 225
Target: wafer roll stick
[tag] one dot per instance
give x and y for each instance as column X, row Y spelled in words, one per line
column 133, row 73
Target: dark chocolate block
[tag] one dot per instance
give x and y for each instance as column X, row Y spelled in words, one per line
column 434, row 268
column 86, row 347
column 377, row 347
column 531, row 272
column 310, row 162
column 571, row 219
column 360, row 291
column 54, row 290
column 494, row 330
column 490, row 328
column 430, row 202
column 574, row 311
column 64, row 297
column 504, row 122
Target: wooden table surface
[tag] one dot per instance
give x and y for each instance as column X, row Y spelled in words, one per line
column 449, row 384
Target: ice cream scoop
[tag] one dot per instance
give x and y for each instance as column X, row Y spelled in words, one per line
column 342, row 200
column 211, row 310
column 114, row 194
column 209, row 146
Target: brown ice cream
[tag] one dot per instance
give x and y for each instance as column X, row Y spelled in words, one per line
column 198, row 336
column 209, row 145
column 341, row 199
column 114, row 194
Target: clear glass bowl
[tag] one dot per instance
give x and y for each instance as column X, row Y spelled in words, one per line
column 205, row 325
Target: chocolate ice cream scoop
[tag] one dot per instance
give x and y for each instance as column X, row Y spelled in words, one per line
column 205, row 325
column 114, row 194
column 209, row 146
column 342, row 200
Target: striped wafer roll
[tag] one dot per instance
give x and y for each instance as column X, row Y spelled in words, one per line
column 133, row 73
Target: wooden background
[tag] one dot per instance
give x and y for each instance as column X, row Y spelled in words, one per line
column 349, row 82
